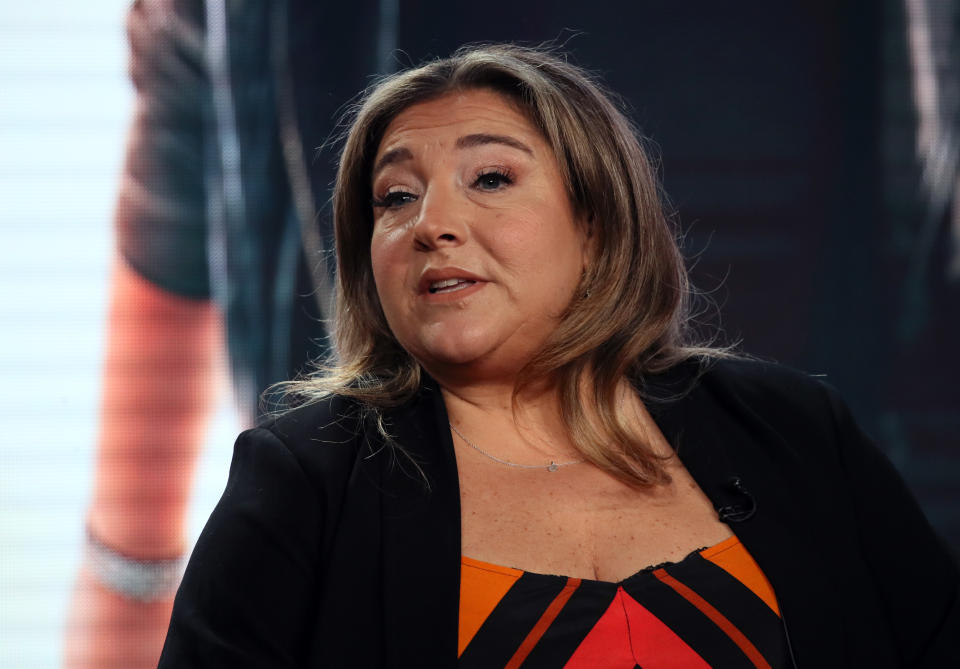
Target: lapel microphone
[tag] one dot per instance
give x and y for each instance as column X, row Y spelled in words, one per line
column 737, row 513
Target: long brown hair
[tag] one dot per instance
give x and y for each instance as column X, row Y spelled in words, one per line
column 631, row 316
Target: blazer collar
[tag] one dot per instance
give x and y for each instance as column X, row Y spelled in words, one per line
column 421, row 536
column 721, row 439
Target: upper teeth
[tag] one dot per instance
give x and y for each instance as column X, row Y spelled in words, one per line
column 446, row 284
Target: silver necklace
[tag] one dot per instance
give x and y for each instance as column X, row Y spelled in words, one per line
column 552, row 467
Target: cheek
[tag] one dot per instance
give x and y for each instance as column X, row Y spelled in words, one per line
column 384, row 265
column 516, row 238
column 384, row 256
column 544, row 242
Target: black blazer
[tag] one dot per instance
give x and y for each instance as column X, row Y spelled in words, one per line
column 330, row 549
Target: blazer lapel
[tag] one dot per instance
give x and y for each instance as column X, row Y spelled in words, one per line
column 421, row 536
column 717, row 446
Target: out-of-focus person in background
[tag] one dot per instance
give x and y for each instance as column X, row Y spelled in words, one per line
column 775, row 130
column 215, row 227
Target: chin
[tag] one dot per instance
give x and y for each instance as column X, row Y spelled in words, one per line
column 454, row 355
column 466, row 365
column 455, row 352
column 471, row 348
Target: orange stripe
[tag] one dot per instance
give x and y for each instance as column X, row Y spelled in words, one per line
column 482, row 586
column 533, row 638
column 718, row 618
column 733, row 557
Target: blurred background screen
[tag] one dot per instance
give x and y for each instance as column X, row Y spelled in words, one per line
column 65, row 105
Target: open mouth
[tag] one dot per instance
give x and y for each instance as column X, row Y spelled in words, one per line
column 449, row 285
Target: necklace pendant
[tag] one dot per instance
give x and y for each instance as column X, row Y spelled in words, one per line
column 553, row 466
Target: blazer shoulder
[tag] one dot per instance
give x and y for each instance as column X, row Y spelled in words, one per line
column 325, row 435
column 761, row 383
column 798, row 405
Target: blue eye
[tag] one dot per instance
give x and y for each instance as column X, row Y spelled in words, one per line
column 395, row 198
column 493, row 180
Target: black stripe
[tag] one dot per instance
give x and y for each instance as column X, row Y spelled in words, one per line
column 584, row 608
column 509, row 623
column 687, row 622
column 733, row 599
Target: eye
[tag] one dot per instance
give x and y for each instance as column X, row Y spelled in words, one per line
column 493, row 179
column 393, row 199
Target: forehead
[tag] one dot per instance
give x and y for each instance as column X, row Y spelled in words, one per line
column 444, row 119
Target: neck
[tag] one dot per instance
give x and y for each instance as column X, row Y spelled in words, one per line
column 525, row 428
column 530, row 425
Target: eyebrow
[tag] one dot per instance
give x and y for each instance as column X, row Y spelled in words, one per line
column 467, row 141
column 390, row 157
column 482, row 138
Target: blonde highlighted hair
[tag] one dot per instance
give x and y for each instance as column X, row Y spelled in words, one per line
column 631, row 316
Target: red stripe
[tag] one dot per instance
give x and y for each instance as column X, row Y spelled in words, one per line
column 718, row 618
column 538, row 630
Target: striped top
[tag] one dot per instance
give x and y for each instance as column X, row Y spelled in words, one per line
column 714, row 608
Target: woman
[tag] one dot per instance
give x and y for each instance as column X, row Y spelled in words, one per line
column 519, row 457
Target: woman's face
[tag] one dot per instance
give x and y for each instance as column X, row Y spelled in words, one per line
column 476, row 251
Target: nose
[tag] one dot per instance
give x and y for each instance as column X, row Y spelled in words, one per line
column 440, row 221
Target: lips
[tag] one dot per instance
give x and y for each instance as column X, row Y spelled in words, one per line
column 447, row 280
